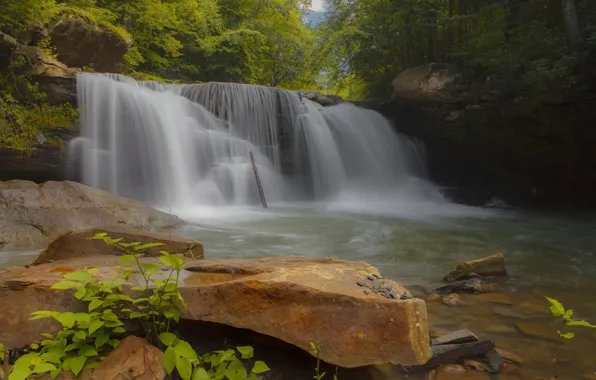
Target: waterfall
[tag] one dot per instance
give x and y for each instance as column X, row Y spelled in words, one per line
column 185, row 145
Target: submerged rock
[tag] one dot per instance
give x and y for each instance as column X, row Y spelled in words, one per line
column 493, row 265
column 33, row 216
column 294, row 299
column 77, row 244
column 452, row 299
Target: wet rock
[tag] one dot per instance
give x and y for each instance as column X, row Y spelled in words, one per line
column 455, row 337
column 324, row 100
column 538, row 330
column 486, row 287
column 468, row 285
column 496, row 298
column 454, row 353
column 493, row 362
column 433, row 297
column 474, row 365
column 32, row 217
column 493, row 265
column 453, row 369
column 294, row 299
column 510, row 356
column 77, row 244
column 452, row 300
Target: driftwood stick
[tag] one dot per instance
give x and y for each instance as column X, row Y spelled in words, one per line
column 259, row 185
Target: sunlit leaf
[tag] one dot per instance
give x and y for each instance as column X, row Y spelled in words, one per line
column 260, row 367
column 79, row 276
column 556, row 307
column 247, row 352
column 169, row 360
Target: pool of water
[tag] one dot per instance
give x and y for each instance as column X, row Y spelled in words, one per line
column 546, row 255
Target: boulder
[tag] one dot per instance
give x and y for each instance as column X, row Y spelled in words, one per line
column 324, row 100
column 55, row 78
column 493, row 265
column 31, row 217
column 81, row 42
column 296, row 300
column 77, row 244
column 433, row 82
column 134, row 359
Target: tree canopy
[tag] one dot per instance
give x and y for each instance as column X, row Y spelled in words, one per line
column 252, row 41
column 524, row 45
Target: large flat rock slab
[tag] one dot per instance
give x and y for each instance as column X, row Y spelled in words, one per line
column 31, row 215
column 294, row 299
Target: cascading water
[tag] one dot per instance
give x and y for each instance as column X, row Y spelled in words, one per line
column 176, row 146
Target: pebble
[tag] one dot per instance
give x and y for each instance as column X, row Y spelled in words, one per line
column 371, row 278
column 406, row 296
column 367, row 292
column 452, row 299
column 361, row 283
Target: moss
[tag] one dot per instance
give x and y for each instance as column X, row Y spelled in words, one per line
column 100, row 17
column 22, row 119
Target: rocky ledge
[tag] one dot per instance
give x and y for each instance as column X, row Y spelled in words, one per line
column 294, row 299
column 32, row 215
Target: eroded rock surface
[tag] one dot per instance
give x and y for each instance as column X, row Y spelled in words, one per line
column 296, row 300
column 33, row 216
column 77, row 244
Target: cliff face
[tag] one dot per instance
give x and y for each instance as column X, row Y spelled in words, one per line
column 481, row 146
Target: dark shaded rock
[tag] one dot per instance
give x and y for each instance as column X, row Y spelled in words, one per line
column 80, row 42
column 324, row 100
column 493, row 362
column 77, row 244
column 455, row 337
column 454, row 353
column 47, row 160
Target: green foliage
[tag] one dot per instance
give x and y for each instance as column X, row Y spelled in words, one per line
column 316, row 350
column 558, row 311
column 25, row 111
column 86, row 338
column 521, row 46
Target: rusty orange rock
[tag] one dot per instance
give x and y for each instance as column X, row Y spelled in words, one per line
column 294, row 299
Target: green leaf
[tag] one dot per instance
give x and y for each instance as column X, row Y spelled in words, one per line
column 580, row 323
column 568, row 335
column 247, row 352
column 55, row 373
column 260, row 367
column 51, row 357
column 169, row 360
column 81, row 334
column 66, row 319
column 200, row 374
column 79, row 276
column 172, row 314
column 167, row 338
column 44, row 367
column 184, row 368
column 81, row 292
column 46, row 335
column 184, row 349
column 126, row 259
column 227, row 355
column 556, row 307
column 136, row 315
column 119, row 330
column 19, row 374
column 147, row 246
column 89, row 351
column 167, row 261
column 64, row 285
column 101, row 340
column 95, row 304
column 95, row 325
column 77, row 363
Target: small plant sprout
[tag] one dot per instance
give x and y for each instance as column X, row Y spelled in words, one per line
column 87, row 338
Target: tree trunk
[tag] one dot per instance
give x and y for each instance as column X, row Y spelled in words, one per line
column 571, row 24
